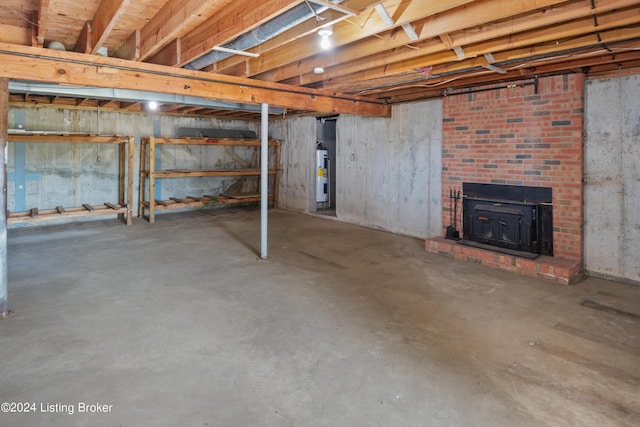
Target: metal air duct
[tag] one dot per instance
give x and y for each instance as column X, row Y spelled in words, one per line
column 264, row 32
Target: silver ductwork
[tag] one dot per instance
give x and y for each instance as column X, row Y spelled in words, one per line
column 264, row 32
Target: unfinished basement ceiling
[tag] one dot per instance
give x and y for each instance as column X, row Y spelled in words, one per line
column 396, row 51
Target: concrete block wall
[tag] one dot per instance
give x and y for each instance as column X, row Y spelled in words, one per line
column 515, row 136
column 612, row 178
column 48, row 175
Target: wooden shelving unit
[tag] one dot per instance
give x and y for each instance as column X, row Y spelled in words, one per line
column 122, row 208
column 149, row 174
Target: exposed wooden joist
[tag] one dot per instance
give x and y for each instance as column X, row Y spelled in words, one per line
column 224, row 27
column 43, row 16
column 355, row 29
column 131, row 106
column 564, row 36
column 105, row 19
column 329, row 17
column 471, row 19
column 74, row 68
column 171, row 55
column 168, row 24
column 309, row 27
column 579, row 61
column 17, row 34
column 590, row 63
column 83, row 44
column 130, row 49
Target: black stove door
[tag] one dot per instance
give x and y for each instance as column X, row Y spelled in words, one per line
column 509, row 227
column 497, row 225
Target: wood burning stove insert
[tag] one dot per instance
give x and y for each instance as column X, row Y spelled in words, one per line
column 508, row 218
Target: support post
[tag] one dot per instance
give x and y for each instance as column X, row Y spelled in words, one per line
column 264, row 178
column 4, row 126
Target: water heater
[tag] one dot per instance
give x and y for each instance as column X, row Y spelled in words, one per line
column 322, row 176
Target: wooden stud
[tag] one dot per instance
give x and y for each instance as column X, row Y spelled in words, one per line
column 143, row 176
column 276, row 178
column 152, row 179
column 130, row 151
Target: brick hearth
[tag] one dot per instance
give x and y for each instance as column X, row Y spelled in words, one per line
column 560, row 270
column 519, row 136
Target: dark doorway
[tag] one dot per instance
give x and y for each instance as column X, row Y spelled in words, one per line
column 326, row 138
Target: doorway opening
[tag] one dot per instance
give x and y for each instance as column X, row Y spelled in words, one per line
column 326, row 165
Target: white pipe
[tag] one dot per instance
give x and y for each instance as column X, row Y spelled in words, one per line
column 264, row 178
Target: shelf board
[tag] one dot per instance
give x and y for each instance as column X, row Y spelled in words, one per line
column 181, row 173
column 70, row 138
column 229, row 142
column 35, row 215
column 193, row 202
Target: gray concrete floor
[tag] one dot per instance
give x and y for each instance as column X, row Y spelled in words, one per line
column 178, row 323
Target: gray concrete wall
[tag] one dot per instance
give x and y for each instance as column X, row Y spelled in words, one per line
column 48, row 175
column 296, row 190
column 389, row 170
column 612, row 178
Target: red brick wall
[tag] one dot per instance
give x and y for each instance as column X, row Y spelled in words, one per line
column 517, row 137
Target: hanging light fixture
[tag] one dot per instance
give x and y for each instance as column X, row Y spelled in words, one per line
column 325, row 33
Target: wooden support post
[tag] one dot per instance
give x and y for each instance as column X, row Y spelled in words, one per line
column 130, row 148
column 143, row 179
column 4, row 126
column 152, row 183
column 276, row 177
column 122, row 158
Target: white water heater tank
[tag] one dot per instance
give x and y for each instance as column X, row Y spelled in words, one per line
column 322, row 178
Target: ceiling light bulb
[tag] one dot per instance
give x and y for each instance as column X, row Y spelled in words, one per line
column 153, row 105
column 325, row 33
column 318, row 70
column 325, row 43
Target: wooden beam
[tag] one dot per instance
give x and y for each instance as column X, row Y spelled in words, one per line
column 171, row 55
column 17, row 34
column 310, row 26
column 83, row 45
column 357, row 28
column 130, row 49
column 431, row 53
column 106, row 17
column 306, row 28
column 586, row 62
column 43, row 17
column 23, row 62
column 224, row 27
column 469, row 24
column 169, row 23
